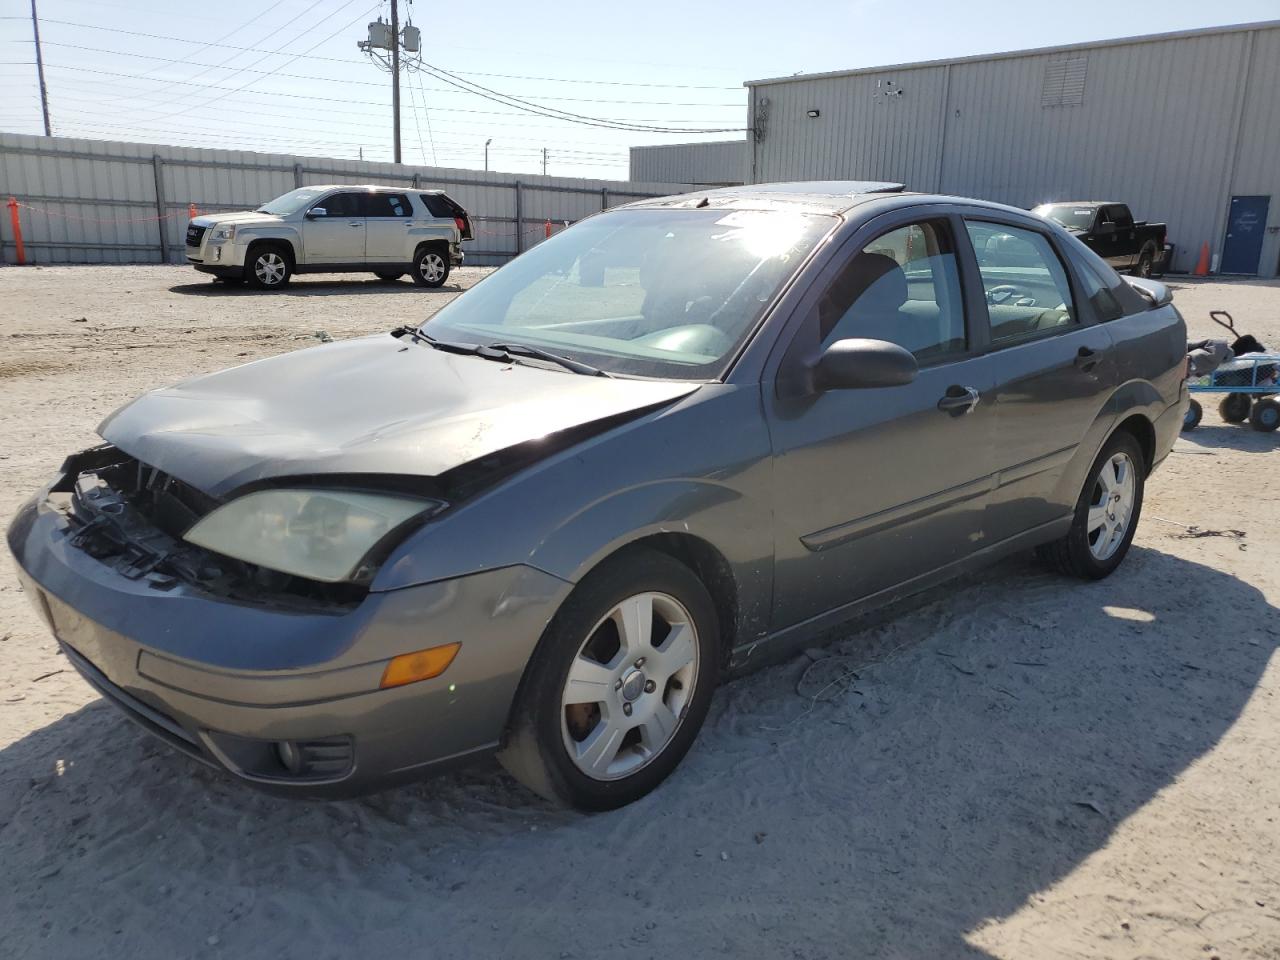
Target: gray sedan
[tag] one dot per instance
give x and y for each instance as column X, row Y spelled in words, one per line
column 667, row 445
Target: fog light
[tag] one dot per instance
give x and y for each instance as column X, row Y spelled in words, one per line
column 289, row 756
column 422, row 665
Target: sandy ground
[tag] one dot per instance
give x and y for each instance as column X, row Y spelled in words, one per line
column 1024, row 766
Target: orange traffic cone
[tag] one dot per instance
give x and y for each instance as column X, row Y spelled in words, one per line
column 1202, row 265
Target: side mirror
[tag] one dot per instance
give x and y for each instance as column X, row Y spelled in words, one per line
column 317, row 212
column 1105, row 229
column 857, row 364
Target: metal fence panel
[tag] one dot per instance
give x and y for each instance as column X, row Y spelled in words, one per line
column 93, row 201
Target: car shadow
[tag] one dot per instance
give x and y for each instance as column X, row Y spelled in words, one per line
column 305, row 287
column 1228, row 436
column 945, row 765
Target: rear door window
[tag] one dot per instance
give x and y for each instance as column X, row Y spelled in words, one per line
column 387, row 205
column 1025, row 284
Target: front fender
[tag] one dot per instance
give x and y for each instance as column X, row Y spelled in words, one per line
column 275, row 233
column 566, row 514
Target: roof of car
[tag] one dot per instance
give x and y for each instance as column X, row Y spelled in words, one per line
column 819, row 196
column 1079, row 203
column 369, row 186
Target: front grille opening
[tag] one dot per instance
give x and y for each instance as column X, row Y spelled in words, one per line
column 132, row 517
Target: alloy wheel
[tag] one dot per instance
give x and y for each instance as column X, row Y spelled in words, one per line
column 270, row 269
column 628, row 686
column 432, row 267
column 1111, row 507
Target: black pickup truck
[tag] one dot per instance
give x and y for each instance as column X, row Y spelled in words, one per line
column 1109, row 230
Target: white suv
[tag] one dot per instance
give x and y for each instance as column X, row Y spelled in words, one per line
column 389, row 231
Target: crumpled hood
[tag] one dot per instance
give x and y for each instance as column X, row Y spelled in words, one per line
column 245, row 216
column 372, row 405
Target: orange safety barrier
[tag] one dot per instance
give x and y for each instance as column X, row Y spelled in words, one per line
column 548, row 230
column 17, row 231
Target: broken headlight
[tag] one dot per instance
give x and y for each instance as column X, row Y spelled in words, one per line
column 318, row 534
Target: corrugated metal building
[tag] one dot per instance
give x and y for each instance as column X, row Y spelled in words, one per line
column 1184, row 127
column 718, row 162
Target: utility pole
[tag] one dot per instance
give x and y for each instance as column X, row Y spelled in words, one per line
column 44, row 94
column 544, row 161
column 486, row 154
column 395, row 73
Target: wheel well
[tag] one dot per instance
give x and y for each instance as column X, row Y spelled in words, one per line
column 443, row 244
column 711, row 568
column 1142, row 431
column 284, row 245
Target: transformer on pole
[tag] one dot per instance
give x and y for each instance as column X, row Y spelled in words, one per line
column 384, row 46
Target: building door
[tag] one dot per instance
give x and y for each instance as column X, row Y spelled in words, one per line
column 1246, row 227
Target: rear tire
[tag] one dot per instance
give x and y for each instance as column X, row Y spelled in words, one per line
column 1145, row 260
column 268, row 267
column 619, row 684
column 1265, row 415
column 431, row 266
column 1106, row 515
column 1234, row 407
column 1191, row 419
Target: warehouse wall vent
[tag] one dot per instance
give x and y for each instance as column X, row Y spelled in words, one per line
column 1064, row 82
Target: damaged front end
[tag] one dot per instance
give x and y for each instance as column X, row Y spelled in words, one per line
column 132, row 517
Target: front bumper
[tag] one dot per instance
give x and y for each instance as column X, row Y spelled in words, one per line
column 229, row 682
column 223, row 258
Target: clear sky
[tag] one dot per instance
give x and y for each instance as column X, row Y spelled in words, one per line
column 288, row 77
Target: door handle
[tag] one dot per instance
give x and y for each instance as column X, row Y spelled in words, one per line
column 959, row 400
column 1087, row 359
column 355, row 223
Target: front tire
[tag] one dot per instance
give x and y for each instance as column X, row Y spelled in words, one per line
column 1106, row 515
column 619, row 684
column 268, row 267
column 431, row 267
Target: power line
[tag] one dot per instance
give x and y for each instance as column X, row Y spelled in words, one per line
column 556, row 113
column 310, row 56
column 365, row 83
column 241, row 112
column 292, row 57
column 627, row 123
column 413, row 100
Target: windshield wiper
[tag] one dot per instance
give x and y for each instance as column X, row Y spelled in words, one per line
column 524, row 350
column 504, row 352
